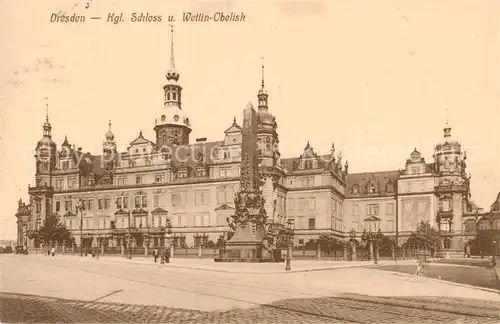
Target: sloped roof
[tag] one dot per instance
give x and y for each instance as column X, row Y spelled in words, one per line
column 363, row 179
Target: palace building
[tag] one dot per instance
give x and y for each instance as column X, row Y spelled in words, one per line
column 188, row 186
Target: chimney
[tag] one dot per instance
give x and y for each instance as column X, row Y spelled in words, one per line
column 201, row 140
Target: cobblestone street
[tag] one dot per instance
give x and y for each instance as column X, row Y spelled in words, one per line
column 44, row 289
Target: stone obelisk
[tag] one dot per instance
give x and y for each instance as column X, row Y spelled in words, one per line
column 249, row 219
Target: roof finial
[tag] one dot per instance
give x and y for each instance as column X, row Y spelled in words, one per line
column 262, row 58
column 172, row 58
column 446, row 116
column 140, row 133
column 234, row 120
column 109, row 125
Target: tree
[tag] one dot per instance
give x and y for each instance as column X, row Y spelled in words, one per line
column 329, row 242
column 424, row 235
column 52, row 231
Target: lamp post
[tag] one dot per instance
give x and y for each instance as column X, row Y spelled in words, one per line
column 352, row 237
column 129, row 237
column 80, row 208
column 289, row 238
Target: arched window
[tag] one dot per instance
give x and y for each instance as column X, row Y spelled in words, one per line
column 174, row 96
column 168, row 95
column 355, row 189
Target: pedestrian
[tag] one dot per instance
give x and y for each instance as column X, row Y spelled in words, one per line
column 162, row 257
column 53, row 251
column 167, row 256
column 155, row 254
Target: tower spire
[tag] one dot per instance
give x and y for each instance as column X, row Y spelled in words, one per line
column 46, row 126
column 447, row 127
column 46, row 109
column 172, row 57
column 262, row 95
column 262, row 58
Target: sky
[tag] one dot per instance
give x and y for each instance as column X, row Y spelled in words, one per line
column 378, row 78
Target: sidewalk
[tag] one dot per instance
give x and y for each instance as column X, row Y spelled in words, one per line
column 242, row 268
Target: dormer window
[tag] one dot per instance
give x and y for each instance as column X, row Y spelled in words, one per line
column 372, row 189
column 390, row 188
column 355, row 189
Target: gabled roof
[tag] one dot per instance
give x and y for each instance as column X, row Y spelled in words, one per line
column 121, row 212
column 224, row 207
column 140, row 140
column 372, row 219
column 234, row 128
column 159, row 210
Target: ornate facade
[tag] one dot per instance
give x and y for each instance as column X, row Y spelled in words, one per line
column 191, row 187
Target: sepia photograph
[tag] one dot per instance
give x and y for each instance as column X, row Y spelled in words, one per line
column 259, row 161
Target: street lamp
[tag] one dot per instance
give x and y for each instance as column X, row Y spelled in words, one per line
column 289, row 237
column 79, row 208
column 129, row 237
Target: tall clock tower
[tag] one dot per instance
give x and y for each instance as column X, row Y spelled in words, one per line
column 172, row 125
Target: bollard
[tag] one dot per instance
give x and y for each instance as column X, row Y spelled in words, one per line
column 287, row 265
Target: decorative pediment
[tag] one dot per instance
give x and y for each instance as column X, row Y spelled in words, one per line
column 372, row 219
column 69, row 214
column 224, row 207
column 139, row 211
column 121, row 212
column 159, row 211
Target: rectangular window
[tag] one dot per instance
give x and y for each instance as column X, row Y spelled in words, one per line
column 137, row 201
column 101, row 203
column 125, row 202
column 408, row 187
column 70, row 183
column 107, row 203
column 176, row 199
column 119, row 203
column 198, row 198
column 389, row 209
column 156, row 200
column 144, row 201
column 355, row 210
column 423, row 186
column 290, row 204
column 312, row 203
column 421, row 207
column 159, row 178
column 312, row 223
column 372, row 210
column 68, row 205
column 198, row 220
column 206, row 219
column 58, row 206
column 302, row 204
column 221, row 197
column 138, row 180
